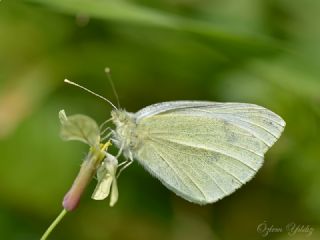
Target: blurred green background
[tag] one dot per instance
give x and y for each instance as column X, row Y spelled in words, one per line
column 263, row 52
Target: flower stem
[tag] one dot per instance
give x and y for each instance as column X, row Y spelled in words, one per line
column 54, row 224
column 87, row 171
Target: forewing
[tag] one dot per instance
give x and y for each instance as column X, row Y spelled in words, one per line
column 204, row 152
column 168, row 106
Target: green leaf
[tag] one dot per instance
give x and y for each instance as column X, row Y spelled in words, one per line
column 79, row 127
column 136, row 14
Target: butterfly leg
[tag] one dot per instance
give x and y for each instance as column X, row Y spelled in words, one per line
column 129, row 158
column 106, row 136
column 104, row 123
column 124, row 165
column 105, row 130
column 127, row 164
column 120, row 151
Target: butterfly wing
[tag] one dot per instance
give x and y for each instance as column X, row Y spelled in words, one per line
column 204, row 151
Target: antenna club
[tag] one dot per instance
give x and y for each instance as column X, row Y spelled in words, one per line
column 107, row 71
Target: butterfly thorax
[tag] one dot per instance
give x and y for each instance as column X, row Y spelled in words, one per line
column 125, row 133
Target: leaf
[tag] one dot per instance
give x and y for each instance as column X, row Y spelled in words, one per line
column 135, row 14
column 79, row 127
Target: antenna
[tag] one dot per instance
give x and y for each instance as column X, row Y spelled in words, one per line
column 107, row 71
column 89, row 91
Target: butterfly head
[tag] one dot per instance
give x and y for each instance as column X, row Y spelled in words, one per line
column 121, row 117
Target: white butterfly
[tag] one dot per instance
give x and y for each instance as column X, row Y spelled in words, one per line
column 202, row 151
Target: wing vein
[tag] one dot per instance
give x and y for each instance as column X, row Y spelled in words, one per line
column 229, row 173
column 222, row 190
column 206, row 149
column 175, row 171
column 241, row 119
column 195, row 134
column 215, row 182
column 264, row 115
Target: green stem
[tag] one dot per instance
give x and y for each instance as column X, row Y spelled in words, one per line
column 54, row 224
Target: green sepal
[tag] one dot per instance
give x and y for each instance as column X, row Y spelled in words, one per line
column 79, row 127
